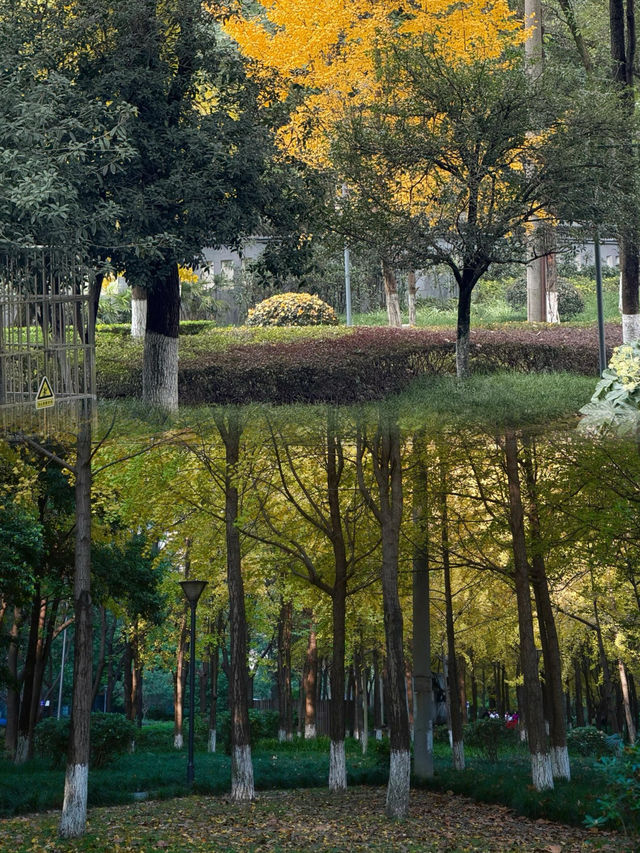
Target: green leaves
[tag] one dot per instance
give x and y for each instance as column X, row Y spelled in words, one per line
column 615, row 404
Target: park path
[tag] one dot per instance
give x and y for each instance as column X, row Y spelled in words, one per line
column 307, row 821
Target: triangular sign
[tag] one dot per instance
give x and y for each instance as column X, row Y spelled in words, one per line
column 45, row 396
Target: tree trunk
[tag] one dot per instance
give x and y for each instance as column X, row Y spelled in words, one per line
column 138, row 311
column 547, row 625
column 214, row 659
column 309, row 680
column 285, row 701
column 13, row 684
column 463, row 327
column 242, row 785
column 626, row 702
column 127, row 680
column 580, row 721
column 608, row 689
column 457, row 741
column 337, row 759
column 422, row 677
column 387, row 466
column 377, row 697
column 24, row 749
column 160, row 362
column 623, row 46
column 74, row 808
column 179, row 683
column 411, row 296
column 538, row 746
column 391, row 295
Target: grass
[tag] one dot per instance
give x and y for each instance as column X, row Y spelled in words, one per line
column 36, row 787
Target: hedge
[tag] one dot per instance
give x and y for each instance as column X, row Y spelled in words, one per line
column 366, row 364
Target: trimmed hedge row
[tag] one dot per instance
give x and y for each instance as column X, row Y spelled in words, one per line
column 367, row 364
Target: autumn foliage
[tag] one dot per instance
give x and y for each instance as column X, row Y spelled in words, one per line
column 328, row 51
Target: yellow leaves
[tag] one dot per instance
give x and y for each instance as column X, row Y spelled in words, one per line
column 328, row 51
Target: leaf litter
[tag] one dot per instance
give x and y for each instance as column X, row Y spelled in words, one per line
column 308, row 821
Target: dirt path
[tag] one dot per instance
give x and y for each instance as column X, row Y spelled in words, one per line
column 306, row 821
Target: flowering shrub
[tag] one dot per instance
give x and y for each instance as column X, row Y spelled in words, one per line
column 292, row 309
column 615, row 404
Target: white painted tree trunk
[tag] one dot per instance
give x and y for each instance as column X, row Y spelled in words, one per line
column 138, row 317
column 560, row 764
column 242, row 788
column 178, row 741
column 211, row 744
column 458, row 755
column 337, row 766
column 160, row 372
column 378, row 734
column 553, row 314
column 541, row 773
column 310, row 731
column 630, row 328
column 74, row 809
column 282, row 735
column 397, row 805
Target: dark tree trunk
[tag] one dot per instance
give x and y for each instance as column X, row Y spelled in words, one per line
column 24, row 749
column 422, row 676
column 242, row 785
column 387, row 467
column 623, row 47
column 285, row 700
column 127, row 680
column 608, row 687
column 452, row 666
column 538, row 744
column 214, row 658
column 160, row 361
column 580, row 721
column 474, row 689
column 377, row 696
column 13, row 684
column 102, row 654
column 463, row 328
column 547, row 625
column 74, row 809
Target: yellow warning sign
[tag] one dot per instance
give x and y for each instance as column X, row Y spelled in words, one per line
column 45, row 396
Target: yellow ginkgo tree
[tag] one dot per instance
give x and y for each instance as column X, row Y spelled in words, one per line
column 424, row 111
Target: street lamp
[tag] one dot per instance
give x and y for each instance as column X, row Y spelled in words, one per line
column 193, row 591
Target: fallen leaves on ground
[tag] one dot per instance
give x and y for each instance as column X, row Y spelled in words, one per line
column 306, row 821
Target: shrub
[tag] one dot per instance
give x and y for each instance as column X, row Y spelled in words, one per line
column 488, row 735
column 620, row 804
column 263, row 725
column 587, row 740
column 111, row 735
column 292, row 309
column 570, row 301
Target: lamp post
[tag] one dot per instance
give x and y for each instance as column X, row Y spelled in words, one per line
column 193, row 591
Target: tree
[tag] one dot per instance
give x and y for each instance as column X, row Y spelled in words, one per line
column 457, row 156
column 384, row 450
column 198, row 151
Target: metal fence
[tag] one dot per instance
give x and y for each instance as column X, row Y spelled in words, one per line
column 46, row 336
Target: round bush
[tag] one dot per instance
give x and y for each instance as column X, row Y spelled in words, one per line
column 292, row 309
column 570, row 301
column 588, row 740
column 111, row 735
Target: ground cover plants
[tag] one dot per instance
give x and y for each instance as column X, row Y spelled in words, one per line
column 159, row 773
